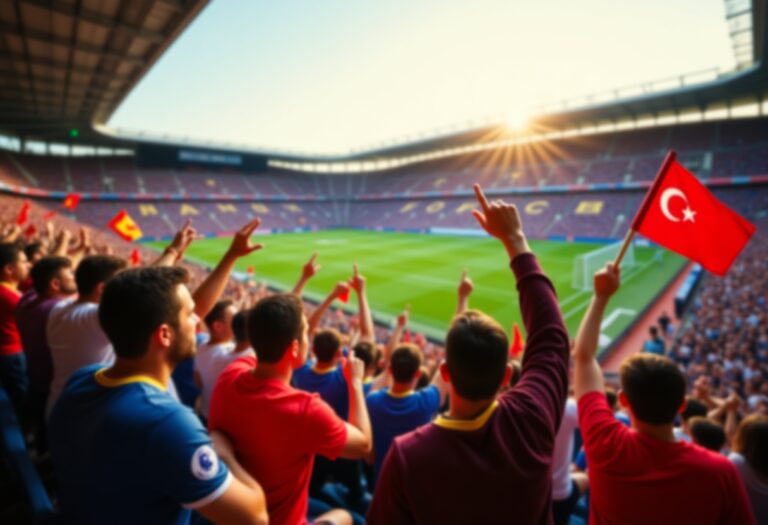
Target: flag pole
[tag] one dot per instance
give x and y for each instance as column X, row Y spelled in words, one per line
column 670, row 158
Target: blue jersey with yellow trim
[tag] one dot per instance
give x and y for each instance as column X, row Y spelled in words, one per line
column 329, row 383
column 125, row 452
column 393, row 415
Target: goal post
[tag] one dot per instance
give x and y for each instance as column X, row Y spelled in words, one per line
column 586, row 264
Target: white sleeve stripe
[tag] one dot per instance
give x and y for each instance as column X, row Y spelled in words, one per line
column 213, row 496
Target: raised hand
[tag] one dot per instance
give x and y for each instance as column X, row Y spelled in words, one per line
column 466, row 286
column 354, row 369
column 357, row 282
column 501, row 220
column 342, row 288
column 607, row 281
column 241, row 245
column 310, row 268
column 402, row 318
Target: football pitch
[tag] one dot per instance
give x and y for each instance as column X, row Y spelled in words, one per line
column 423, row 271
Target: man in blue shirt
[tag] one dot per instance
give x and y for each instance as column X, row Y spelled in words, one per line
column 400, row 409
column 123, row 450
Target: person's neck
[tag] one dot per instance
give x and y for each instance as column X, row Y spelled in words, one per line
column 401, row 388
column 218, row 340
column 279, row 371
column 89, row 298
column 460, row 408
column 10, row 283
column 129, row 367
column 323, row 366
column 53, row 294
column 658, row 432
column 242, row 346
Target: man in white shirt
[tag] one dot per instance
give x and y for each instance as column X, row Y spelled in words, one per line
column 73, row 330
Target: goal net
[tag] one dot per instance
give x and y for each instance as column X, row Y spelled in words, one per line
column 588, row 263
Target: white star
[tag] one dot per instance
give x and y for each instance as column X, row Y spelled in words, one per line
column 688, row 214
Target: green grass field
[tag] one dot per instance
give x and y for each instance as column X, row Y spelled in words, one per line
column 424, row 270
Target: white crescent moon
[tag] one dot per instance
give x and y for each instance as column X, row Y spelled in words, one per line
column 665, row 198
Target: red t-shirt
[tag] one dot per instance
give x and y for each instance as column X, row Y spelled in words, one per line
column 10, row 340
column 276, row 431
column 636, row 479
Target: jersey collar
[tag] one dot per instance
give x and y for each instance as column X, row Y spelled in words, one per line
column 467, row 424
column 110, row 382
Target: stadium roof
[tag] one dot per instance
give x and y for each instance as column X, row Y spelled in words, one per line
column 66, row 64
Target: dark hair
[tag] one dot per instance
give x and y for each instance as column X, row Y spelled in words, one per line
column 326, row 344
column 217, row 312
column 654, row 386
column 135, row 302
column 424, row 379
column 97, row 269
column 47, row 269
column 405, row 362
column 611, row 397
column 364, row 351
column 693, row 408
column 32, row 248
column 273, row 324
column 707, row 433
column 239, row 326
column 476, row 355
column 751, row 441
column 654, row 331
column 9, row 253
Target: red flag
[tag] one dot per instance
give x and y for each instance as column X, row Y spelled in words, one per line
column 344, row 297
column 135, row 257
column 518, row 344
column 250, row 270
column 681, row 214
column 23, row 213
column 49, row 215
column 71, row 201
column 123, row 225
column 30, row 230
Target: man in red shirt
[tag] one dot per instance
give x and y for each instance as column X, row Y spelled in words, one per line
column 642, row 474
column 276, row 429
column 14, row 269
column 488, row 459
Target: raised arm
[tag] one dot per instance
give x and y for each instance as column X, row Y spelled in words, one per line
column 465, row 290
column 317, row 315
column 174, row 252
column 357, row 283
column 211, row 289
column 587, row 374
column 359, row 434
column 382, row 379
column 544, row 374
column 307, row 272
column 244, row 502
column 440, row 384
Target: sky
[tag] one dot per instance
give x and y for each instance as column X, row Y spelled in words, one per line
column 333, row 76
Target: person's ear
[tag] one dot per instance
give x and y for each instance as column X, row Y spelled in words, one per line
column 623, row 401
column 164, row 335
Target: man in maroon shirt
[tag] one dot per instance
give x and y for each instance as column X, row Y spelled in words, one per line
column 14, row 268
column 643, row 474
column 488, row 459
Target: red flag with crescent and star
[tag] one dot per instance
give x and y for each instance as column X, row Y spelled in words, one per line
column 681, row 214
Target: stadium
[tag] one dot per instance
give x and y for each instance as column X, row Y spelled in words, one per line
column 403, row 214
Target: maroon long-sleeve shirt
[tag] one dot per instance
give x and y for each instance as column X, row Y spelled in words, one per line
column 495, row 468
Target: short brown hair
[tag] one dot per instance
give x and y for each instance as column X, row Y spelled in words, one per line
column 326, row 344
column 273, row 324
column 476, row 349
column 654, row 386
column 405, row 362
column 751, row 441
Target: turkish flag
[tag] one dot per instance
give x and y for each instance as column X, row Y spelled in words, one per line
column 681, row 214
column 123, row 225
column 71, row 201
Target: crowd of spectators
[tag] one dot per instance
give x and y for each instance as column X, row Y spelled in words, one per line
column 192, row 396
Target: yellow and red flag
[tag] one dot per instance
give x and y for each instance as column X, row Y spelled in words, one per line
column 71, row 201
column 123, row 225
